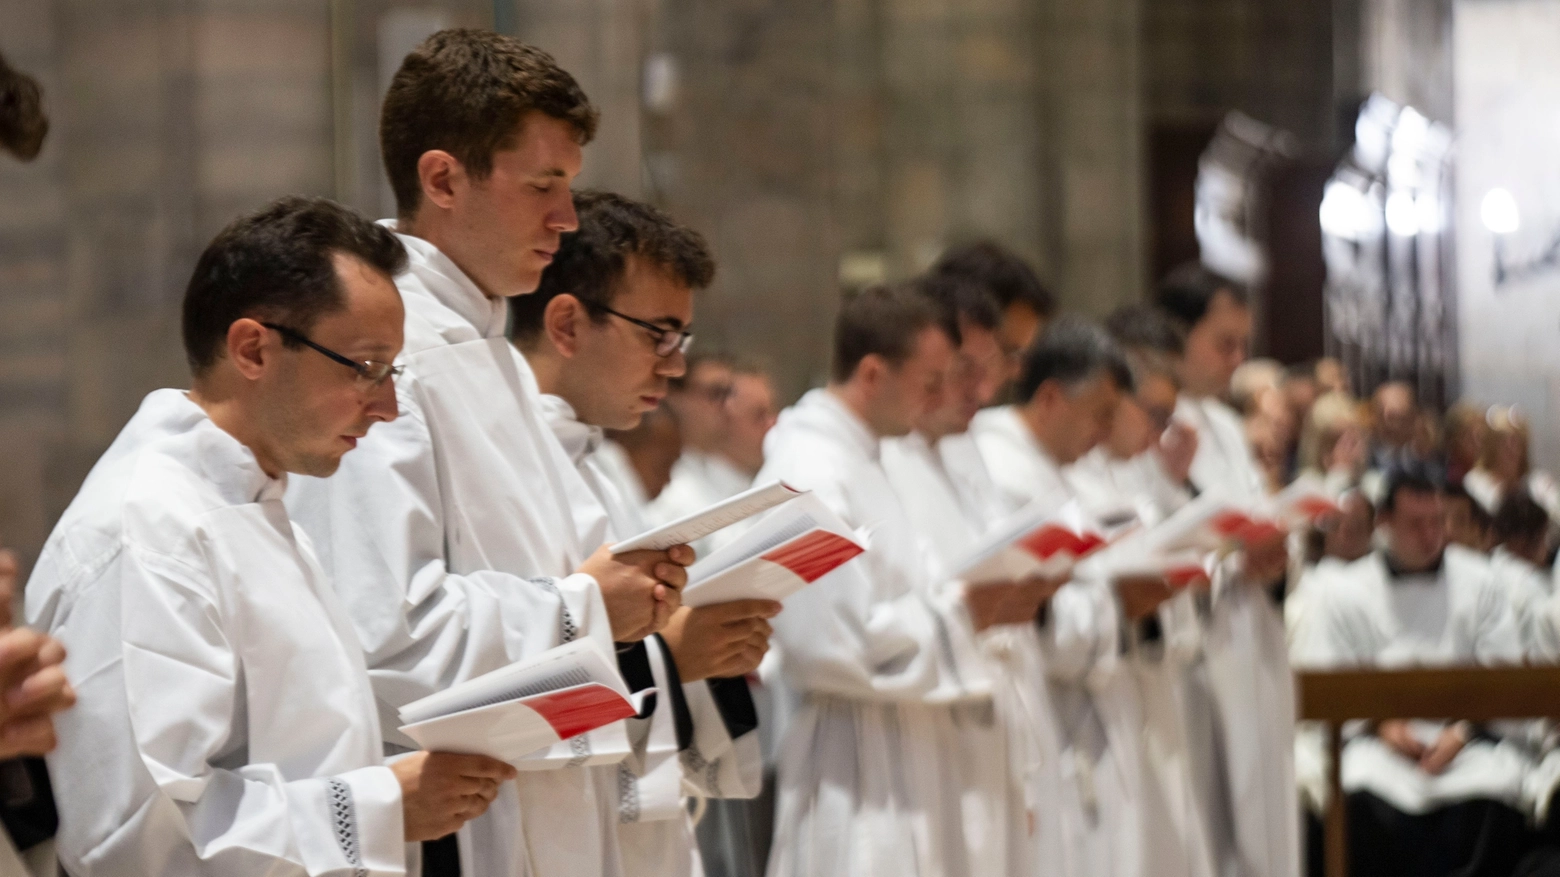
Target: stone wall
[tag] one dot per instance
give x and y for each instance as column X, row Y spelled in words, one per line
column 168, row 119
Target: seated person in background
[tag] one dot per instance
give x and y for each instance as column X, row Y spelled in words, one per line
column 1333, row 443
column 1424, row 797
column 1394, row 413
column 1521, row 562
column 1339, row 539
column 1467, row 523
column 227, row 722
column 1465, row 429
column 1506, row 464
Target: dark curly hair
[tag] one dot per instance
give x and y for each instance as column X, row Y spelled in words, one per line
column 590, row 261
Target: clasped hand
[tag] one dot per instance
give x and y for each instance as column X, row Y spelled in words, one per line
column 640, row 588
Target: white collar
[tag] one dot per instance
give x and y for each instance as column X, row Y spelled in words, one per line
column 451, row 287
column 579, row 440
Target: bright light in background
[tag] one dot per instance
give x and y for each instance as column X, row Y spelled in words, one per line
column 1345, row 212
column 1402, row 220
column 1499, row 212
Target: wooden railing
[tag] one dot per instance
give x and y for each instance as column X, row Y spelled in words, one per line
column 1472, row 694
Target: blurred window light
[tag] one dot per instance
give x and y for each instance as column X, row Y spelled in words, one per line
column 1499, row 213
column 1344, row 213
column 1402, row 218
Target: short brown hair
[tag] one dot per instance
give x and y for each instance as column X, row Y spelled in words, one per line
column 590, row 261
column 466, row 92
column 882, row 320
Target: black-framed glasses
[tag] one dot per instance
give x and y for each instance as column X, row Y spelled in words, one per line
column 372, row 371
column 666, row 340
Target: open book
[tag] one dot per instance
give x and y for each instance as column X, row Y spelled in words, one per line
column 1213, row 520
column 691, row 528
column 789, row 548
column 529, row 705
column 1033, row 543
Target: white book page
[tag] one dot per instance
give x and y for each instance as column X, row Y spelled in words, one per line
column 781, row 525
column 692, row 528
column 576, row 663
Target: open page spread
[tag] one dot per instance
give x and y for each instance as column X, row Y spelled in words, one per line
column 691, row 528
column 530, row 705
column 789, row 548
column 1034, row 543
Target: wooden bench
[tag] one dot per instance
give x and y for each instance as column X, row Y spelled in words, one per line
column 1471, row 694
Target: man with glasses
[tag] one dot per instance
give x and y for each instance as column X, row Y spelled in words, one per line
column 227, row 723
column 461, row 537
column 604, row 333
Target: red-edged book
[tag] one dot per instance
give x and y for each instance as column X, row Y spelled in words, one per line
column 1033, row 543
column 787, row 549
column 528, row 706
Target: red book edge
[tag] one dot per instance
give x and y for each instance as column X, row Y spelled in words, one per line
column 814, row 554
column 580, row 708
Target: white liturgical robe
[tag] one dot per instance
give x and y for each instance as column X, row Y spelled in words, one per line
column 1176, row 838
column 654, row 830
column 1245, row 672
column 1091, row 694
column 993, row 784
column 226, row 724
column 450, row 534
column 1458, row 615
column 1530, row 591
column 879, row 657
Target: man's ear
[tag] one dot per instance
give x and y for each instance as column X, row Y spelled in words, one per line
column 871, row 372
column 562, row 320
column 440, row 174
column 248, row 347
column 1048, row 394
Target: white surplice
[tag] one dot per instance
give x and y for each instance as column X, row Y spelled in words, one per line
column 1175, row 835
column 1243, row 680
column 1363, row 616
column 450, row 534
column 1530, row 590
column 698, row 481
column 225, row 724
column 654, row 829
column 950, row 522
column 867, row 783
column 1092, row 693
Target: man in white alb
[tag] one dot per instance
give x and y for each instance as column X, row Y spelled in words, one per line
column 1072, row 381
column 1243, row 682
column 227, row 725
column 1425, row 797
column 951, row 510
column 878, row 650
column 604, row 333
column 461, row 536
